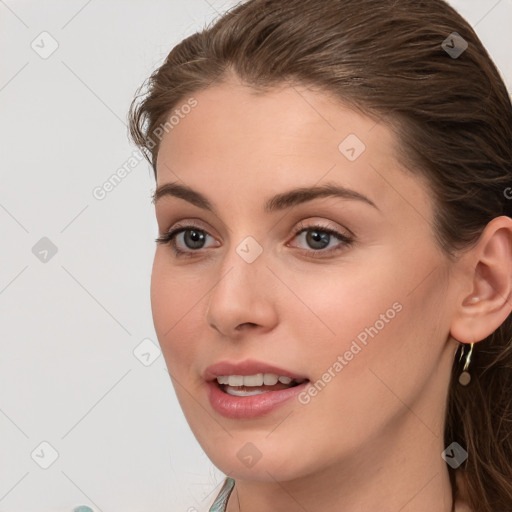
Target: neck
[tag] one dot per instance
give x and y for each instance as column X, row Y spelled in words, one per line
column 399, row 472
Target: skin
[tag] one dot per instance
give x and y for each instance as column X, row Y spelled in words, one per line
column 372, row 438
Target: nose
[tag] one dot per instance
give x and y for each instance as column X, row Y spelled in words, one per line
column 244, row 296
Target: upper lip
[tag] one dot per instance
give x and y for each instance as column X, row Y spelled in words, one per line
column 246, row 367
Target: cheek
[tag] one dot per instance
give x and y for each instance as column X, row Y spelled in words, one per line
column 372, row 317
column 337, row 307
column 175, row 304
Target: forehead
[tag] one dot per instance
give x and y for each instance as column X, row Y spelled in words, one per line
column 234, row 117
column 256, row 144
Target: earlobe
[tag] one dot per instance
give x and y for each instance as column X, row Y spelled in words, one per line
column 489, row 302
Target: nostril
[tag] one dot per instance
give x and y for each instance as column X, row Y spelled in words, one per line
column 242, row 326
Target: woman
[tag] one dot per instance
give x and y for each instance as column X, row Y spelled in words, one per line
column 331, row 287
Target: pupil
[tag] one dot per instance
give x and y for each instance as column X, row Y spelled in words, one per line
column 197, row 238
column 316, row 236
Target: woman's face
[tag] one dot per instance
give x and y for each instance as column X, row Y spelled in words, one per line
column 367, row 319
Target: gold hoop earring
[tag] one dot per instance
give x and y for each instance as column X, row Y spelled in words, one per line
column 465, row 377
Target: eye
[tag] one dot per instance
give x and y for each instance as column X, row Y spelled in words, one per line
column 194, row 237
column 317, row 236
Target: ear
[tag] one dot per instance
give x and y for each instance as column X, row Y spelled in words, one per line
column 486, row 297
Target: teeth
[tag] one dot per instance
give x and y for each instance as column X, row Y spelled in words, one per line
column 269, row 379
column 239, row 392
column 259, row 379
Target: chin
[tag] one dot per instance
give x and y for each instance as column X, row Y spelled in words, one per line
column 262, row 461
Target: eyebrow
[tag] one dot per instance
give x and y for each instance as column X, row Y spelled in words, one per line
column 278, row 202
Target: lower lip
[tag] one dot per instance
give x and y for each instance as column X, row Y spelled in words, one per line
column 237, row 407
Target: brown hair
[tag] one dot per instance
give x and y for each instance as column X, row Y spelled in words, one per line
column 452, row 115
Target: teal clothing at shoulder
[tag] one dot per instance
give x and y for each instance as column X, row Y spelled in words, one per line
column 219, row 505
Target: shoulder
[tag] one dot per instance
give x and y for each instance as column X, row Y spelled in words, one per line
column 216, row 502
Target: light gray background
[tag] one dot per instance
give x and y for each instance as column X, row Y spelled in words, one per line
column 69, row 326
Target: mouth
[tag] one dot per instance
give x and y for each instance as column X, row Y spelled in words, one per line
column 241, row 385
column 250, row 388
column 250, row 402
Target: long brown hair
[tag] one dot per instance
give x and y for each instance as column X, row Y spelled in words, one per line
column 392, row 60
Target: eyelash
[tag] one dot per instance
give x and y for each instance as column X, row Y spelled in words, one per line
column 168, row 238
